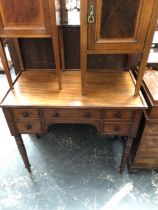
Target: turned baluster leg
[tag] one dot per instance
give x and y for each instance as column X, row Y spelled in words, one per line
column 22, row 150
column 126, row 154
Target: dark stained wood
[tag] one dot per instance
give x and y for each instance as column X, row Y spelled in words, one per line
column 126, row 152
column 37, row 53
column 72, row 47
column 107, row 62
column 116, row 16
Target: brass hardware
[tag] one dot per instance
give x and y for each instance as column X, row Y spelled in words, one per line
column 91, row 18
column 118, row 115
column 29, row 127
column 87, row 114
column 56, row 114
column 117, row 129
column 25, row 114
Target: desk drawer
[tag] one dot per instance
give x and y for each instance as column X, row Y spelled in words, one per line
column 71, row 114
column 118, row 114
column 25, row 113
column 28, row 127
column 116, row 128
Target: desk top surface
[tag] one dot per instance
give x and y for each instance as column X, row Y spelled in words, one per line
column 108, row 88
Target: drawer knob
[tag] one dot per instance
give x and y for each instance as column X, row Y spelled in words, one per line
column 118, row 115
column 25, row 114
column 117, row 129
column 87, row 114
column 29, row 127
column 56, row 114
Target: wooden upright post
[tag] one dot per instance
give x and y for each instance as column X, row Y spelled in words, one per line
column 55, row 41
column 147, row 48
column 5, row 63
column 83, row 50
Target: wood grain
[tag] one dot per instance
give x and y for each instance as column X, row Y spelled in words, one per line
column 42, row 90
column 24, row 18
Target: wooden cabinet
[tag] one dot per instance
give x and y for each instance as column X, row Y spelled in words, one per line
column 24, row 18
column 118, row 25
column 145, row 151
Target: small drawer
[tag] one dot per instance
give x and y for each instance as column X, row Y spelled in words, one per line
column 150, row 141
column 148, row 153
column 25, row 113
column 28, row 127
column 117, row 114
column 116, row 128
column 71, row 113
column 147, row 162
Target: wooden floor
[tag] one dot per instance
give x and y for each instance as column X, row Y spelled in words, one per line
column 104, row 89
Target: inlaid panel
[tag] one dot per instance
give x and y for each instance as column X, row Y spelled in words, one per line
column 119, row 18
column 24, row 17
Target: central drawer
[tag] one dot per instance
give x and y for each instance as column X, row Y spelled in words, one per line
column 71, row 113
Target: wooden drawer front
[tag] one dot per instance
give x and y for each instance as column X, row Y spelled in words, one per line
column 71, row 113
column 28, row 127
column 118, row 114
column 116, row 128
column 25, row 113
column 150, row 141
column 147, row 162
column 150, row 152
column 152, row 128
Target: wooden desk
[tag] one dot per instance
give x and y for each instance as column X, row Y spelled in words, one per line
column 35, row 104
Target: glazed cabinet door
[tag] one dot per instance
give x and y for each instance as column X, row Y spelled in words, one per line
column 118, row 24
column 24, row 18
